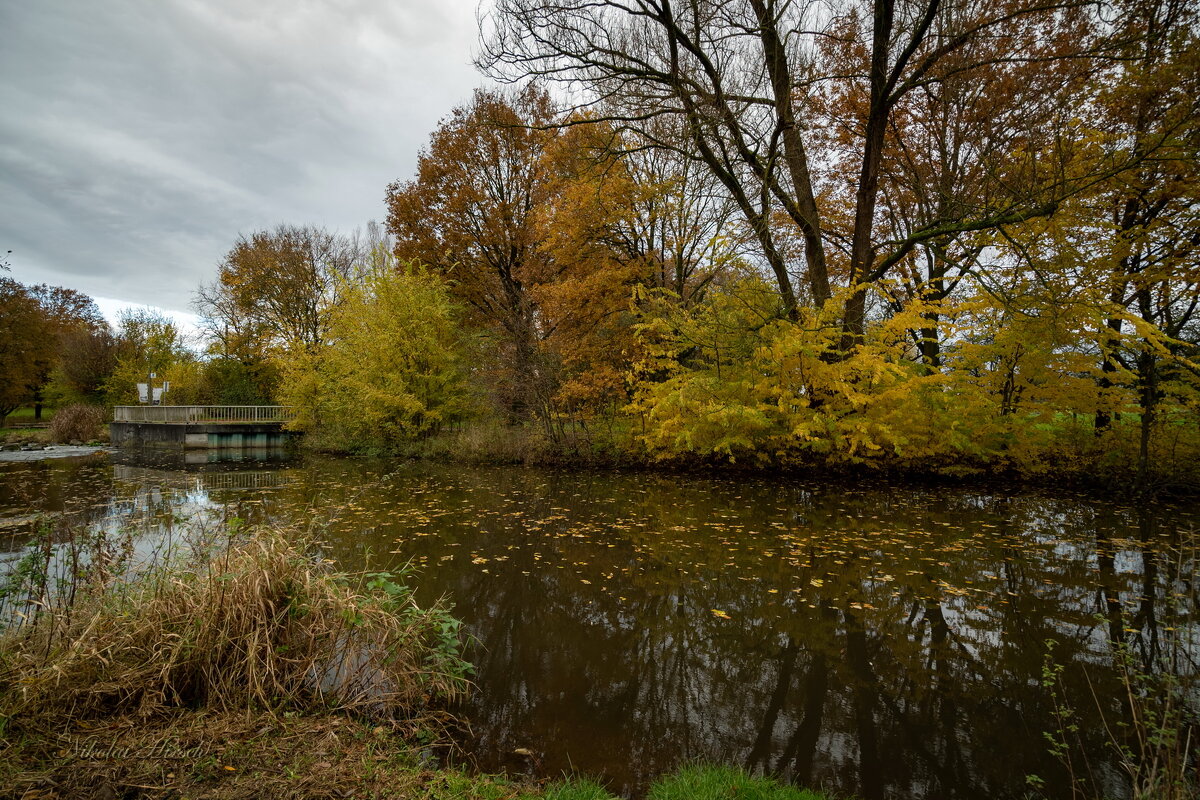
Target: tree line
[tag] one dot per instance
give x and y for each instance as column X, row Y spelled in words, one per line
column 58, row 350
column 950, row 235
column 53, row 342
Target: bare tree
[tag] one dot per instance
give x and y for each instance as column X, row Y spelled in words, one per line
column 684, row 223
column 794, row 107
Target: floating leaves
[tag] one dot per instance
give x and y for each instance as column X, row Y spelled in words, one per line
column 644, row 549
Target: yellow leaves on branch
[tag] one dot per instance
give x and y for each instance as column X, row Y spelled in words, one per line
column 725, row 380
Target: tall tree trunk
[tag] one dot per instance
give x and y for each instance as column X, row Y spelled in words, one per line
column 1108, row 368
column 862, row 251
column 806, row 214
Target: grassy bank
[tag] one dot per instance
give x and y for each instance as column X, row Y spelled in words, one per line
column 245, row 646
column 236, row 757
column 28, row 414
column 81, row 424
column 241, row 667
column 1083, row 461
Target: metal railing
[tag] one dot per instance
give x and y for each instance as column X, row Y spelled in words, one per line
column 186, row 414
column 239, row 479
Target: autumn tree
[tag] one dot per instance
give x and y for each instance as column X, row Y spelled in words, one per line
column 794, row 107
column 277, row 288
column 69, row 316
column 275, row 291
column 1152, row 108
column 598, row 230
column 148, row 341
column 238, row 345
column 45, row 332
column 690, row 222
column 469, row 215
column 87, row 357
column 392, row 368
column 1130, row 247
column 652, row 205
column 26, row 344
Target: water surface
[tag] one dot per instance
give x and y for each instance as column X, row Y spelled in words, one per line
column 879, row 640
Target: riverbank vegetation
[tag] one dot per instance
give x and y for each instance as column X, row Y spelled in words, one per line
column 206, row 651
column 256, row 622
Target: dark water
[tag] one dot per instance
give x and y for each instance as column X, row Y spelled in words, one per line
column 877, row 640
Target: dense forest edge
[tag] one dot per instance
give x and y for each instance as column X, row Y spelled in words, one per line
column 897, row 251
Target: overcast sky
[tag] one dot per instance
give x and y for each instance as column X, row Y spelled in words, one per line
column 138, row 138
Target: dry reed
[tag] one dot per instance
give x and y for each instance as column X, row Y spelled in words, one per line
column 260, row 625
column 82, row 423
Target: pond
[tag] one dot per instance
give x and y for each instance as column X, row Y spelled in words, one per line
column 879, row 640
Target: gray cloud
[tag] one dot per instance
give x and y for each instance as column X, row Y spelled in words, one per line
column 139, row 137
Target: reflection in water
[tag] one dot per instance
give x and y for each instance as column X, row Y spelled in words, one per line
column 884, row 642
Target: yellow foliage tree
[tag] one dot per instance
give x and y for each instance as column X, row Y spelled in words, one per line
column 149, row 342
column 391, row 369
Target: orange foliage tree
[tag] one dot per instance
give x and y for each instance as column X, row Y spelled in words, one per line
column 470, row 215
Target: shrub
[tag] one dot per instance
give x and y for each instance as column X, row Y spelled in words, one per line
column 78, row 423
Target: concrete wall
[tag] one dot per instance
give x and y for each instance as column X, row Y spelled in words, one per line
column 200, row 435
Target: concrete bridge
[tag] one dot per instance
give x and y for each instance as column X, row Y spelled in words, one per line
column 201, row 426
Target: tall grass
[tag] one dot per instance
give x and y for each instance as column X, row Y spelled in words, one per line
column 260, row 624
